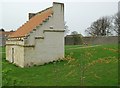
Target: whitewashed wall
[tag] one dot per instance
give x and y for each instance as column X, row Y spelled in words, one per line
column 18, row 54
column 47, row 49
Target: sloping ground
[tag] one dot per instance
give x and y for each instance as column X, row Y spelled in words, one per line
column 95, row 66
column 78, row 47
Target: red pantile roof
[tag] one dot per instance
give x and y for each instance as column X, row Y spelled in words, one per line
column 32, row 23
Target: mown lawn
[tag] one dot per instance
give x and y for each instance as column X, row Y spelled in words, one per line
column 1, row 55
column 93, row 66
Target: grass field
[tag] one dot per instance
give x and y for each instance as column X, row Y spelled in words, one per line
column 91, row 66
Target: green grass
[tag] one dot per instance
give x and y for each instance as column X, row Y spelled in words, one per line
column 2, row 55
column 95, row 66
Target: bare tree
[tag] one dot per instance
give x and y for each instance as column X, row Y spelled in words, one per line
column 100, row 27
column 116, row 20
column 66, row 28
column 74, row 33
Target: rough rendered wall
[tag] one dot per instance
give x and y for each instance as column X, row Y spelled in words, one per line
column 18, row 58
column 54, row 43
column 46, row 50
column 51, row 46
column 29, row 56
column 58, row 16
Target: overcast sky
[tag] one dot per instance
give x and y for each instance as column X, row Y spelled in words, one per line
column 79, row 14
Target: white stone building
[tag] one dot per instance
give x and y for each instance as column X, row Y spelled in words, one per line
column 40, row 40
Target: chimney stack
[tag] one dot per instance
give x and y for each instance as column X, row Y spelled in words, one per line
column 31, row 15
column 58, row 15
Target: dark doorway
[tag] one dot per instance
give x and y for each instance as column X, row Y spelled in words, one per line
column 12, row 55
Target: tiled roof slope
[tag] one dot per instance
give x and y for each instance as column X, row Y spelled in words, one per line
column 32, row 23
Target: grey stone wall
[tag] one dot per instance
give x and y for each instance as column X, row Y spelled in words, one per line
column 2, row 40
column 93, row 40
column 73, row 40
column 69, row 41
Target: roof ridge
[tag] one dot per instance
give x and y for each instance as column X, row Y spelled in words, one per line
column 32, row 23
column 43, row 10
column 37, row 14
column 40, row 12
column 34, row 29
